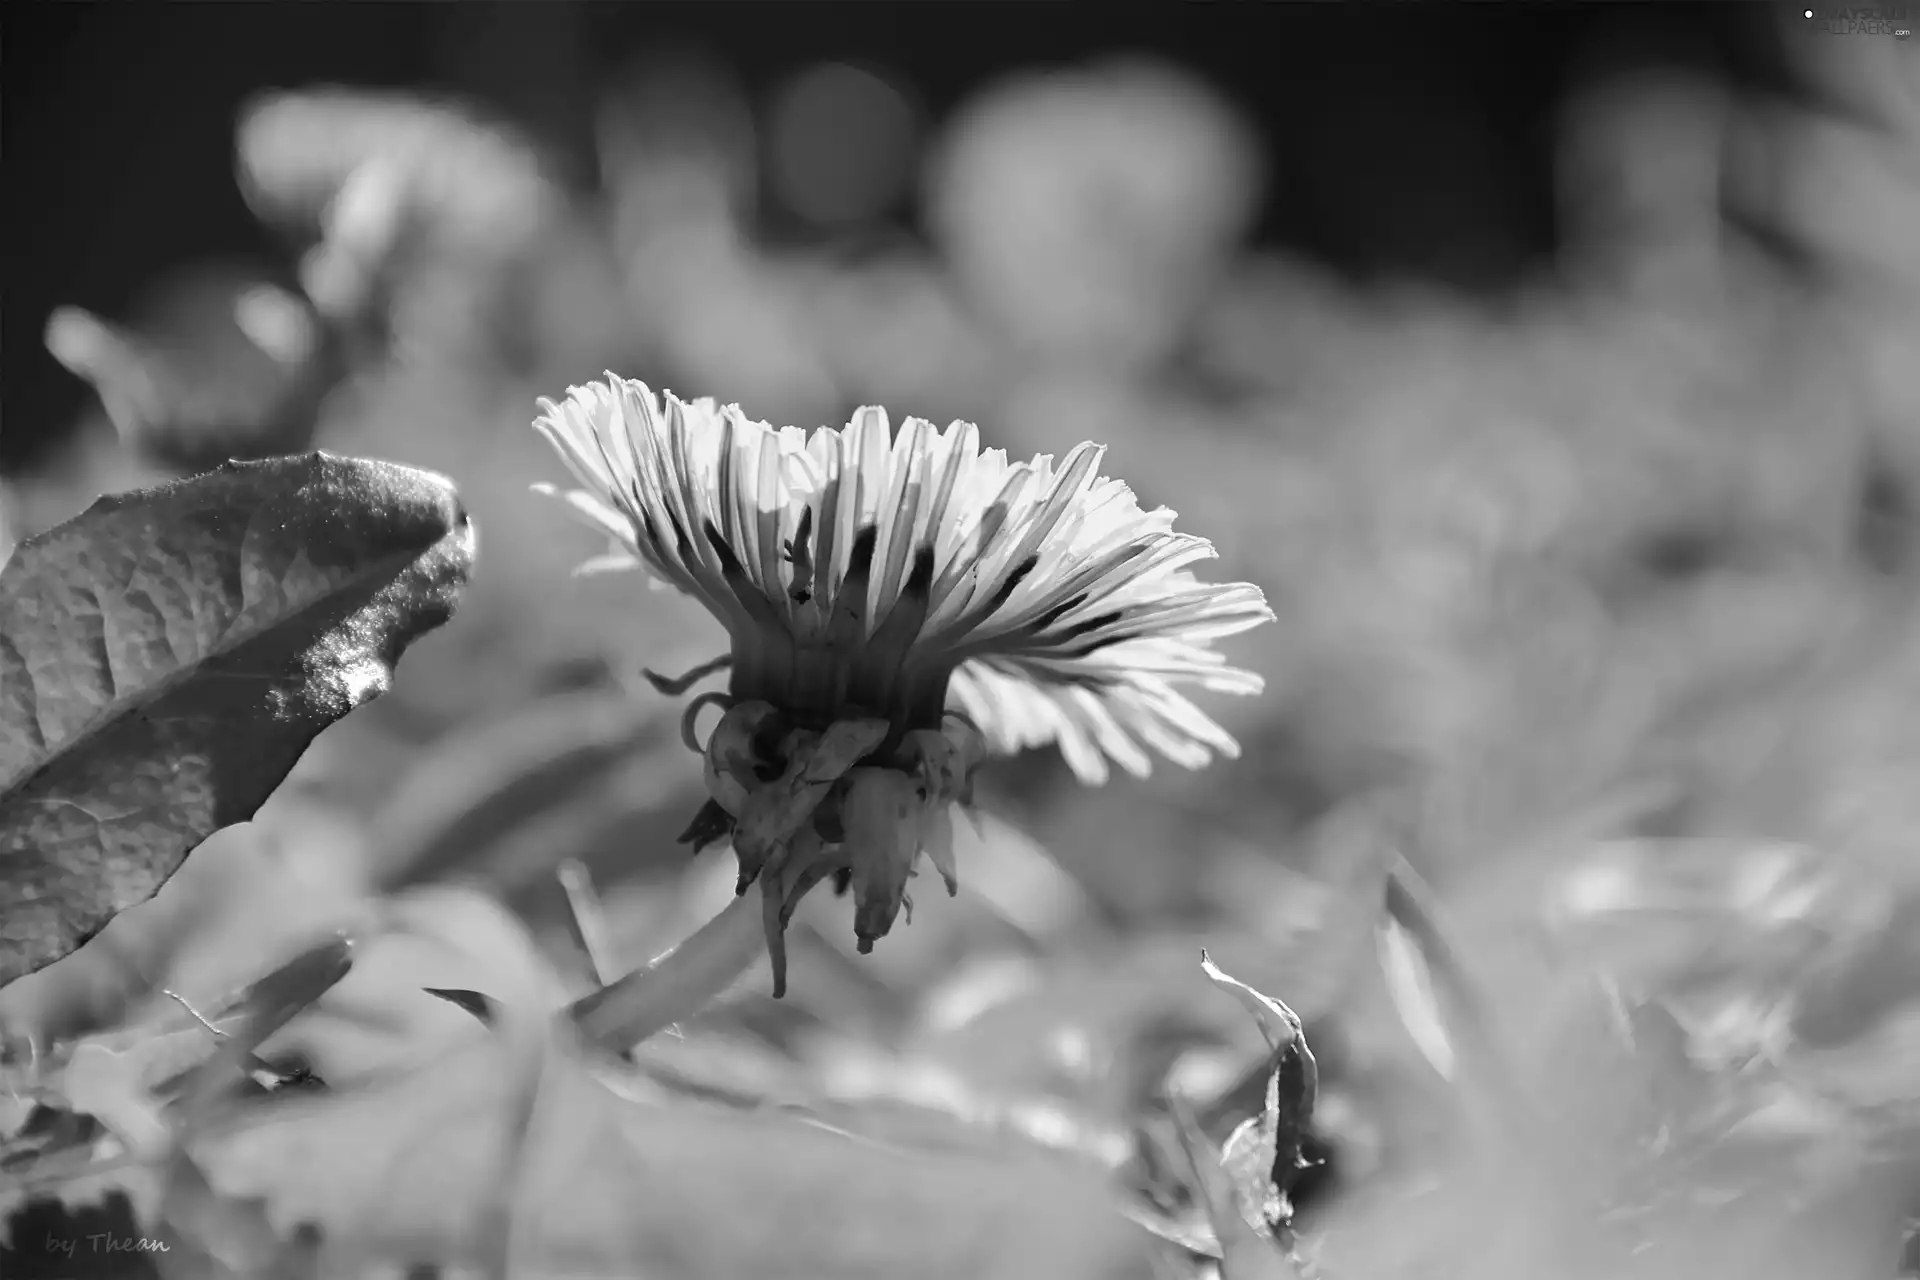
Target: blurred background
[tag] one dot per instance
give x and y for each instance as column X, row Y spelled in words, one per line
column 1418, row 147
column 1554, row 369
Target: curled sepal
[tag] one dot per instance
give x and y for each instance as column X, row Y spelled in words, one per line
column 947, row 757
column 806, row 862
column 845, row 744
column 672, row 686
column 936, row 841
column 882, row 814
column 731, row 745
column 931, row 755
column 726, row 791
column 730, row 754
column 969, row 747
column 942, row 766
column 712, row 824
column 775, row 810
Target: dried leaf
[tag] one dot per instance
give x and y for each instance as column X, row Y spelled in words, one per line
column 1279, row 1024
column 1263, row 1156
column 1244, row 1255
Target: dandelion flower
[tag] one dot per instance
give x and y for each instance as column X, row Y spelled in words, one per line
column 898, row 606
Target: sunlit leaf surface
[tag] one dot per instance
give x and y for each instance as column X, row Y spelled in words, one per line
column 167, row 656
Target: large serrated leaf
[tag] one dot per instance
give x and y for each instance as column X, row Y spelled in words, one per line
column 166, row 657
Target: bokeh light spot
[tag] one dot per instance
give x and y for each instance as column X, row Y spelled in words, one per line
column 841, row 144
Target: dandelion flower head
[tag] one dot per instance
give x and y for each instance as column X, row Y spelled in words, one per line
column 897, row 605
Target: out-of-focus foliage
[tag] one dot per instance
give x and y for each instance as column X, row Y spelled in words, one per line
column 1086, row 214
column 580, row 776
column 513, row 1146
column 221, row 364
column 1597, row 611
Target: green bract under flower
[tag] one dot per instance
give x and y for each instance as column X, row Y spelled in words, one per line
column 897, row 605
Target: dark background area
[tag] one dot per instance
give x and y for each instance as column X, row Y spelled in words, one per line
column 1402, row 139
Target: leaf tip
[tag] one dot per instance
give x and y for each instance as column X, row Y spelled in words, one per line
column 480, row 1006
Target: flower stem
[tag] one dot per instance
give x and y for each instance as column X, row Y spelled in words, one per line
column 676, row 984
